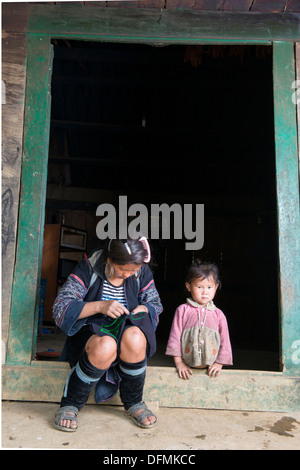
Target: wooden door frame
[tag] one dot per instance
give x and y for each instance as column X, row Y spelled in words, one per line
column 144, row 26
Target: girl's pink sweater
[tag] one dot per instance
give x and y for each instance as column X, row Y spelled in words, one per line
column 186, row 316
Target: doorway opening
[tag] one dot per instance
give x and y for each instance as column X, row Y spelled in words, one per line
column 174, row 124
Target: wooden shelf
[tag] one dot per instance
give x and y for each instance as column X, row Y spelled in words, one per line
column 62, row 245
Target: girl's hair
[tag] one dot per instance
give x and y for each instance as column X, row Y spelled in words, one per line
column 125, row 251
column 203, row 270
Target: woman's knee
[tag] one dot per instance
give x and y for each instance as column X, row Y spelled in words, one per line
column 133, row 345
column 101, row 351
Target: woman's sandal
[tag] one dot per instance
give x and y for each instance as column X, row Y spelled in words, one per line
column 66, row 412
column 146, row 413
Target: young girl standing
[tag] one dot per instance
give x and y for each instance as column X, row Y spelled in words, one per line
column 199, row 334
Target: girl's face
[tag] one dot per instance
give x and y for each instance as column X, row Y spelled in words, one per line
column 202, row 290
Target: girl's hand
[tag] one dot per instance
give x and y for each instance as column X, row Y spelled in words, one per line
column 215, row 369
column 113, row 308
column 183, row 370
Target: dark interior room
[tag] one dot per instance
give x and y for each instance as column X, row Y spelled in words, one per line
column 173, row 124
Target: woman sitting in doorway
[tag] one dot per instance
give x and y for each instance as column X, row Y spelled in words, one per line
column 109, row 308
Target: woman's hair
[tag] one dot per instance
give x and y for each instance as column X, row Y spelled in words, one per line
column 203, row 270
column 125, row 251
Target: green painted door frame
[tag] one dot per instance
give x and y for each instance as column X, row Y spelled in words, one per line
column 130, row 26
column 287, row 184
column 32, row 201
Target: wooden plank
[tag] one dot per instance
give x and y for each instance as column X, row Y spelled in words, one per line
column 32, row 205
column 15, row 16
column 158, row 4
column 287, row 203
column 14, row 49
column 208, row 5
column 149, row 25
column 98, row 4
column 233, row 390
column 293, row 5
column 179, row 4
column 269, row 5
column 237, row 5
column 50, row 265
column 211, row 5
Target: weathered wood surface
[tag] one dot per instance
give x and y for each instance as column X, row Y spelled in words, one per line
column 14, row 50
column 147, row 24
column 204, row 5
column 50, row 266
column 15, row 16
column 32, row 206
column 232, row 390
column 287, row 178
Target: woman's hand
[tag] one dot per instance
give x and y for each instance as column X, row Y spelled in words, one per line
column 140, row 308
column 113, row 308
column 215, row 369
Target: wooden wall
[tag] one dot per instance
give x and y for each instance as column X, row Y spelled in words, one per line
column 248, row 391
column 276, row 6
column 14, row 51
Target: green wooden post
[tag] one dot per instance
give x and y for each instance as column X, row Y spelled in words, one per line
column 287, row 204
column 32, row 201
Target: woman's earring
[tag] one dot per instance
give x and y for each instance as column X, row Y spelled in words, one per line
column 109, row 270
